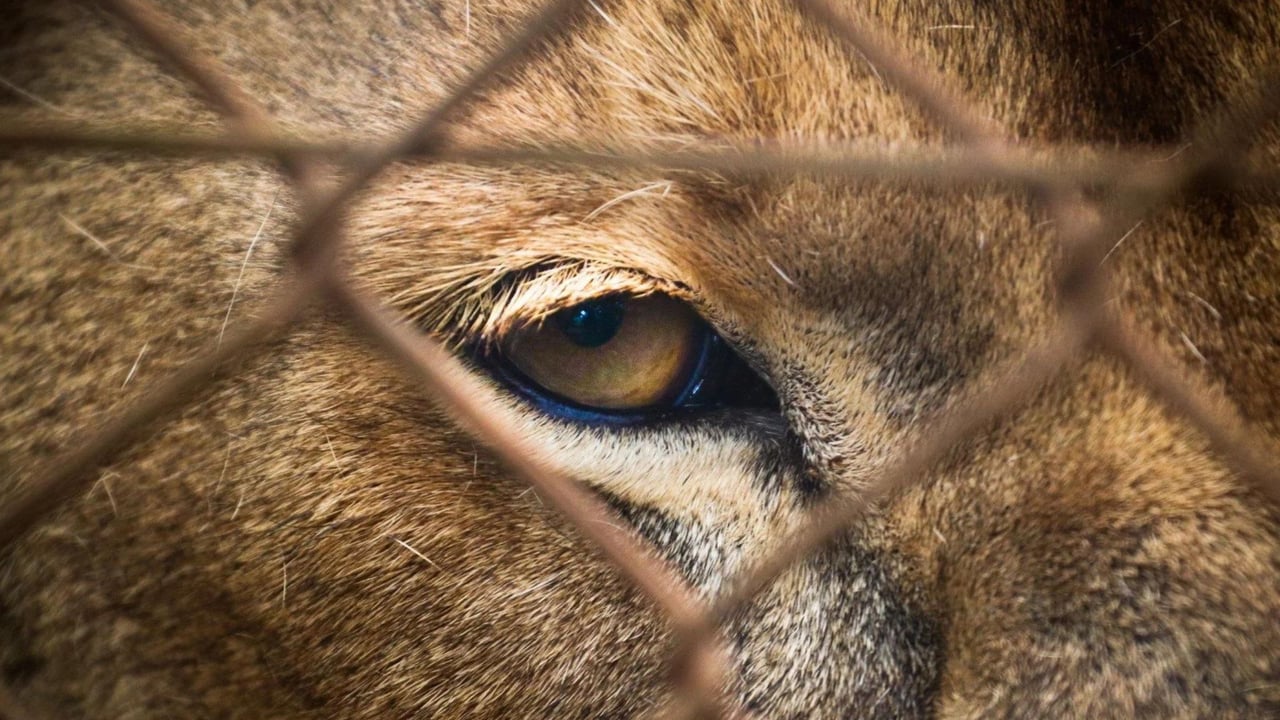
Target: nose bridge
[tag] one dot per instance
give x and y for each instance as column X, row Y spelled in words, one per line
column 846, row 310
column 877, row 310
column 873, row 306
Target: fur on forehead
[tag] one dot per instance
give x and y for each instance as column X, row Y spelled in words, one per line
column 677, row 69
column 444, row 242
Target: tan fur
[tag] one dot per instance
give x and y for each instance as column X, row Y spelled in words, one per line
column 311, row 538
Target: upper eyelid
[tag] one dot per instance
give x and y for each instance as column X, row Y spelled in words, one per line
column 529, row 296
column 531, row 299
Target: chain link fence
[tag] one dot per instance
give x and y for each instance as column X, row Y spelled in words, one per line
column 1216, row 159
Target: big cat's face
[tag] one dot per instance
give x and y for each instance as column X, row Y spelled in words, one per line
column 697, row 337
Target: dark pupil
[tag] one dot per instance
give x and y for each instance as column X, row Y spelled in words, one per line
column 591, row 324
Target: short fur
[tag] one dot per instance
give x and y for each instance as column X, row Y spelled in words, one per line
column 311, row 538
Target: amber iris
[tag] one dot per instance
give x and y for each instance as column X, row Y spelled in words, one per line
column 613, row 353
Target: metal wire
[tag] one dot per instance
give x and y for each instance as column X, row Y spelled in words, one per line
column 983, row 157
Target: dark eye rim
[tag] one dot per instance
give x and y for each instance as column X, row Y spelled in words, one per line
column 715, row 367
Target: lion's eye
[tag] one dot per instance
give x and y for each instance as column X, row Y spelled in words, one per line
column 626, row 358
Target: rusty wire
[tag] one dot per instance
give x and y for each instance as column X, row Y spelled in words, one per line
column 983, row 157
